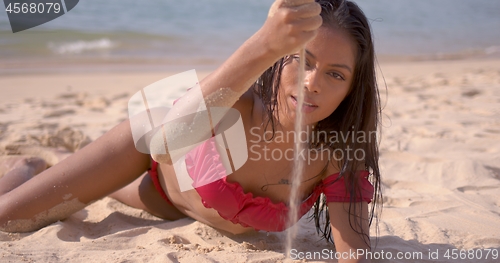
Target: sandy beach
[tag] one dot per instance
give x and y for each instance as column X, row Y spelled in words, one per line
column 440, row 165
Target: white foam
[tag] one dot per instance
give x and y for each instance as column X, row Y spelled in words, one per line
column 492, row 50
column 80, row 46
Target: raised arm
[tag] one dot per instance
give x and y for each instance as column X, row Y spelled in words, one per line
column 290, row 25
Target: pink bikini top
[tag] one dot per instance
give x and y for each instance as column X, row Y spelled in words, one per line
column 233, row 204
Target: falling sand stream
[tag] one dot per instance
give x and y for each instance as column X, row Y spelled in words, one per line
column 299, row 146
column 298, row 166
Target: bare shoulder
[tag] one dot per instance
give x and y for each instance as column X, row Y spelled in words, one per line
column 334, row 167
column 245, row 103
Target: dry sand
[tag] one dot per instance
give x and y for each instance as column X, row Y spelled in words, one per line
column 440, row 161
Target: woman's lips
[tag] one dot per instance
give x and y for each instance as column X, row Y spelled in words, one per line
column 307, row 107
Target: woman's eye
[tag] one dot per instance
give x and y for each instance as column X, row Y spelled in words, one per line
column 337, row 75
column 297, row 58
column 307, row 64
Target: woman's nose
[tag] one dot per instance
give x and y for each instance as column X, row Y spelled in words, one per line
column 311, row 81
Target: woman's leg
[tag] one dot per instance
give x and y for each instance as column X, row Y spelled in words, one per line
column 102, row 167
column 142, row 194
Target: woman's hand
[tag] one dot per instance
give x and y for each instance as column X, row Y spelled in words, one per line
column 346, row 229
column 289, row 26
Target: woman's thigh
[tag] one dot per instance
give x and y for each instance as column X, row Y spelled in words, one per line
column 142, row 194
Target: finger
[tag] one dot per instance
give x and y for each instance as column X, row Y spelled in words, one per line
column 307, row 10
column 286, row 3
column 309, row 24
column 304, row 38
column 291, row 3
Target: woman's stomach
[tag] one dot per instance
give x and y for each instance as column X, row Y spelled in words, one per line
column 189, row 202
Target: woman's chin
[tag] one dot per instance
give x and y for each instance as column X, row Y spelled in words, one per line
column 306, row 121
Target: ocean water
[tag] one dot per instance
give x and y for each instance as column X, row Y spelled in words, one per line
column 194, row 32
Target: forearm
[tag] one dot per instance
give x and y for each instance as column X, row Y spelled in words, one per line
column 242, row 69
column 197, row 113
column 194, row 116
column 350, row 231
column 290, row 25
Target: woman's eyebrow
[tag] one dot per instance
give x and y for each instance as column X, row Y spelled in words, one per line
column 331, row 65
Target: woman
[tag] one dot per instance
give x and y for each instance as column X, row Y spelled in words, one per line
column 259, row 80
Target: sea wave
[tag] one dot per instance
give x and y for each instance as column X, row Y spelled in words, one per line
column 80, row 46
column 492, row 50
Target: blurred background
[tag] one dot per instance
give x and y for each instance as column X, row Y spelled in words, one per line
column 169, row 34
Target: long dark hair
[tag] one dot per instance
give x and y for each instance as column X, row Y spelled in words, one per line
column 358, row 112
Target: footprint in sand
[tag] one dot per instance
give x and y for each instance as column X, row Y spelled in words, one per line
column 175, row 239
column 424, row 97
column 10, row 162
column 72, row 95
column 492, row 131
column 489, row 242
column 485, row 135
column 50, row 155
column 52, row 104
column 95, row 104
column 68, row 138
column 3, row 127
column 495, row 171
column 411, row 89
column 58, row 113
column 475, row 189
column 44, row 126
column 120, row 96
column 471, row 93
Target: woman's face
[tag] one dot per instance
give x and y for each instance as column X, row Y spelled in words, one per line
column 330, row 61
